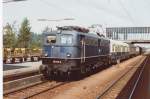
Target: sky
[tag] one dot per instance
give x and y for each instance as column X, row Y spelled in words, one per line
column 85, row 12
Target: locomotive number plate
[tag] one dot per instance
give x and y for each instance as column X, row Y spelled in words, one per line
column 57, row 62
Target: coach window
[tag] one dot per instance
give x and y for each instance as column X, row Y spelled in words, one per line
column 116, row 48
column 119, row 48
column 123, row 48
column 113, row 48
column 126, row 49
column 66, row 39
column 51, row 39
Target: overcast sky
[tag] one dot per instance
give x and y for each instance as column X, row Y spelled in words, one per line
column 85, row 12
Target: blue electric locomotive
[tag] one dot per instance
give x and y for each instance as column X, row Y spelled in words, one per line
column 71, row 48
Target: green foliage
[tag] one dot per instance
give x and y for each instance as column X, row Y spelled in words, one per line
column 36, row 41
column 9, row 37
column 24, row 39
column 24, row 36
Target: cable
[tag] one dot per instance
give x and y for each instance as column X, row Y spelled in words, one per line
column 126, row 11
column 54, row 6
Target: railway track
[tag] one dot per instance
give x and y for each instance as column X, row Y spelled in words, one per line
column 138, row 85
column 11, row 75
column 21, row 83
column 113, row 83
column 57, row 84
column 138, row 78
column 34, row 90
column 27, row 84
column 19, row 76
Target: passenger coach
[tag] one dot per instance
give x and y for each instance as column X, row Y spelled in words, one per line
column 118, row 51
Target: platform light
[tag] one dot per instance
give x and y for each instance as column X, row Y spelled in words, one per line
column 68, row 55
column 46, row 54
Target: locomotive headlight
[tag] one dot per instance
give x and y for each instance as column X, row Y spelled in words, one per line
column 99, row 50
column 68, row 55
column 46, row 54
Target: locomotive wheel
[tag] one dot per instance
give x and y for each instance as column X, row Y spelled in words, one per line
column 38, row 58
column 45, row 71
column 68, row 75
column 24, row 59
column 4, row 61
column 32, row 59
column 109, row 62
column 21, row 60
column 42, row 69
column 13, row 60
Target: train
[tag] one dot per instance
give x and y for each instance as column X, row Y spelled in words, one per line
column 19, row 55
column 73, row 49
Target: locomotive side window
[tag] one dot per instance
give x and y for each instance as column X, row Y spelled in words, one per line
column 66, row 39
column 51, row 39
column 113, row 48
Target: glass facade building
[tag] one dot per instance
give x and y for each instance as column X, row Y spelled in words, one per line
column 128, row 33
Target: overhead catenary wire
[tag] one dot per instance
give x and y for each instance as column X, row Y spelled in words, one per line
column 50, row 4
column 8, row 1
column 126, row 11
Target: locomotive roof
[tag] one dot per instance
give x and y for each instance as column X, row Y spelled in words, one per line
column 76, row 28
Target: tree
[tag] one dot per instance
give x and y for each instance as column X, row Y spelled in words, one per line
column 9, row 37
column 24, row 36
column 36, row 41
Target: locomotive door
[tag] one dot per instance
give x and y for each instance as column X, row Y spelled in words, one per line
column 82, row 41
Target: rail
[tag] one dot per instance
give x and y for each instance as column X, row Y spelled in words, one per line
column 46, row 89
column 15, row 85
column 20, row 73
column 21, row 78
column 132, row 92
column 115, row 81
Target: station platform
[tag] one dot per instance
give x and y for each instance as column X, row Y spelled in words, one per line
column 21, row 65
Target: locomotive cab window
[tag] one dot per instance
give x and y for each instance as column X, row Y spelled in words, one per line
column 66, row 39
column 51, row 39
